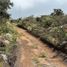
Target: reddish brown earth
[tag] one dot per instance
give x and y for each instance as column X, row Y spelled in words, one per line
column 33, row 53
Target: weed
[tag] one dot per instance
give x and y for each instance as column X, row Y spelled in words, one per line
column 43, row 55
column 34, row 46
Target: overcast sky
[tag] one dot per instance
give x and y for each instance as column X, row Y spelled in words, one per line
column 23, row 8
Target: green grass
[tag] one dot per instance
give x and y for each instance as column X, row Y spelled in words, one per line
column 9, row 33
column 43, row 55
column 34, row 46
column 35, row 60
column 1, row 64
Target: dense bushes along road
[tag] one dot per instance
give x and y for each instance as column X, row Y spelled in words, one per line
column 52, row 29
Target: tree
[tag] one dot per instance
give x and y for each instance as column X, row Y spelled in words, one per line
column 4, row 6
column 57, row 12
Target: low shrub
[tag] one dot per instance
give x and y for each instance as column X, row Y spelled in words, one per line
column 51, row 29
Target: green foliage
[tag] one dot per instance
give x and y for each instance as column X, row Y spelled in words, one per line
column 4, row 6
column 57, row 12
column 43, row 55
column 50, row 28
column 46, row 21
column 9, row 34
column 1, row 64
column 35, row 60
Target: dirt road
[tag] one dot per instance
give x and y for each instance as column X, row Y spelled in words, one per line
column 33, row 53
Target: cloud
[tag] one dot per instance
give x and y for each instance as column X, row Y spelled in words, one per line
column 23, row 8
column 62, row 1
column 24, row 4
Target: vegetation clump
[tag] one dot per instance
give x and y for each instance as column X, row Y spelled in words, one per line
column 50, row 28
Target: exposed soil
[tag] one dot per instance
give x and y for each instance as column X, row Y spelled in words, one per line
column 33, row 53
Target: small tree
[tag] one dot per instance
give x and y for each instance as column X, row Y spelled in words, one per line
column 4, row 6
column 57, row 12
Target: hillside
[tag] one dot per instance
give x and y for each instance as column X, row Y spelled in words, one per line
column 34, row 53
column 33, row 41
column 50, row 29
column 29, row 51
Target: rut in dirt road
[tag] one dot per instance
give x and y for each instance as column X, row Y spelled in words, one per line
column 33, row 53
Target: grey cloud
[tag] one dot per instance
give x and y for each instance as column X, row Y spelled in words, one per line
column 38, row 9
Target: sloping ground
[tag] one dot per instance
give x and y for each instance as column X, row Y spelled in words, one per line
column 49, row 29
column 33, row 53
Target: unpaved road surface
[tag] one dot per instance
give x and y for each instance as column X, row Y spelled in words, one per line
column 33, row 53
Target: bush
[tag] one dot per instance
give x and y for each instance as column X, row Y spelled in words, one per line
column 51, row 29
column 8, row 37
